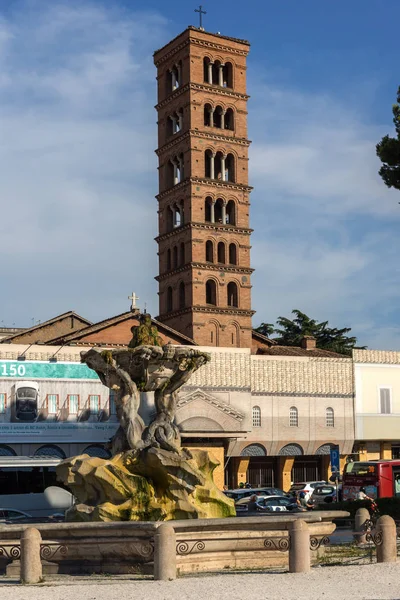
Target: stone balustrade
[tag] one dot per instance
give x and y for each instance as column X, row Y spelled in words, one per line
column 169, row 548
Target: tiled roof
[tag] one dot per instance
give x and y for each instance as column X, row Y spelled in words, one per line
column 101, row 325
column 327, row 376
column 376, row 356
column 39, row 326
column 297, row 351
column 263, row 338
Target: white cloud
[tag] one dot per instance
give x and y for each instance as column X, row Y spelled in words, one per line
column 79, row 173
column 330, row 227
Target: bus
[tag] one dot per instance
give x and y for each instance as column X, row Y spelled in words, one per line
column 380, row 478
column 29, row 484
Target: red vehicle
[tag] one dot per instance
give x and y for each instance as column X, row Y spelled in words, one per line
column 380, row 478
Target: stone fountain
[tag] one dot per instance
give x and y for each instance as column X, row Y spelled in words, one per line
column 150, row 477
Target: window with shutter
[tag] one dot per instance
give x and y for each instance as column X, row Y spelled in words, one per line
column 385, row 401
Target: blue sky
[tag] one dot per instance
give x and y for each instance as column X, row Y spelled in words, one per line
column 78, row 177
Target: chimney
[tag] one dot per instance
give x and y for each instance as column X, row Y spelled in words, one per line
column 309, row 342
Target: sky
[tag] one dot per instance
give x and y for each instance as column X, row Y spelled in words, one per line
column 78, row 171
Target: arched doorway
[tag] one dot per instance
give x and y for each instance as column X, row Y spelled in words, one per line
column 7, row 451
column 97, row 451
column 260, row 467
column 50, row 450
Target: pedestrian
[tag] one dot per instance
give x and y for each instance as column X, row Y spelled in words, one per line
column 361, row 495
column 305, row 504
column 252, row 506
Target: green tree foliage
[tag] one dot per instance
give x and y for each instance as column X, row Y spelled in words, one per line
column 388, row 151
column 266, row 329
column 290, row 332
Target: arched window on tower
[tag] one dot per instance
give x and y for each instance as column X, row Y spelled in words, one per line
column 218, row 209
column 208, row 71
column 182, row 295
column 207, row 209
column 182, row 254
column 256, row 414
column 221, row 253
column 218, row 117
column 229, row 120
column 232, row 254
column 175, row 257
column 231, row 213
column 209, row 170
column 209, row 251
column 169, row 263
column 232, row 292
column 208, row 115
column 178, row 217
column 230, row 168
column 211, row 292
column 216, row 77
column 218, row 167
column 228, row 75
column 169, row 299
column 170, row 219
column 293, row 417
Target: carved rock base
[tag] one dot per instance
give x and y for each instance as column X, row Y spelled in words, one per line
column 144, row 485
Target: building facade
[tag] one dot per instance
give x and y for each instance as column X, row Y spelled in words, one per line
column 269, row 419
column 377, row 404
column 204, row 233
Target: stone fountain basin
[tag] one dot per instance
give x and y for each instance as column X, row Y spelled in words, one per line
column 152, row 367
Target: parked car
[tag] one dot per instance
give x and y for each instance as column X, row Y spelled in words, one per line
column 307, row 487
column 325, row 493
column 240, row 493
column 11, row 515
column 278, row 504
column 267, row 503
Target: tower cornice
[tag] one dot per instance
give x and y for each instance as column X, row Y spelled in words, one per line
column 206, row 267
column 178, row 138
column 202, row 87
column 206, row 43
column 208, row 308
column 217, row 227
column 215, row 183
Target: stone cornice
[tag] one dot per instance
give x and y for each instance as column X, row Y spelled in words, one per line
column 201, row 42
column 206, row 267
column 180, row 137
column 200, row 87
column 215, row 183
column 218, row 310
column 210, row 226
column 205, row 44
column 215, row 310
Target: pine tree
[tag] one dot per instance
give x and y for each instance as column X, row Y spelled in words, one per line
column 291, row 332
column 388, row 151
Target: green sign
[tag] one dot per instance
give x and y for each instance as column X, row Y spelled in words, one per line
column 44, row 370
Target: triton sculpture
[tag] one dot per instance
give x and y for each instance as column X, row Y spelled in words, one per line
column 150, row 476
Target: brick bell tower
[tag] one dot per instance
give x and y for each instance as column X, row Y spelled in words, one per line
column 204, row 234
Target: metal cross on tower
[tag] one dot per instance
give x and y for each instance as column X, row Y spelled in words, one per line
column 134, row 298
column 201, row 13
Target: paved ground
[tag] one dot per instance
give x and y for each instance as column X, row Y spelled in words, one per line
column 367, row 582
